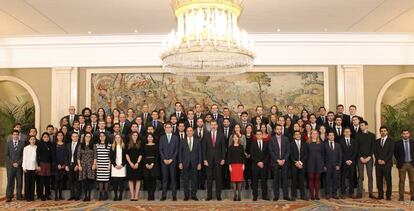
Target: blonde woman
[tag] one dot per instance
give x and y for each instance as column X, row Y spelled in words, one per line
column 118, row 171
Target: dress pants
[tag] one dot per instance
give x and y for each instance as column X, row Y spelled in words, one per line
column 169, row 171
column 332, row 181
column 280, row 176
column 361, row 175
column 347, row 172
column 259, row 174
column 298, row 181
column 406, row 168
column 29, row 184
column 74, row 183
column 383, row 171
column 190, row 175
column 213, row 171
column 14, row 176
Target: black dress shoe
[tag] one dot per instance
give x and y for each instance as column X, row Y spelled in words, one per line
column 8, row 200
column 401, row 199
column 380, row 197
column 254, row 198
column 317, row 198
column 219, row 198
column 371, row 196
column 276, row 199
column 335, row 197
column 186, row 198
column 388, row 198
column 287, row 198
column 312, row 198
column 266, row 199
column 194, row 198
column 304, row 198
column 208, row 198
column 292, row 199
column 174, row 198
column 163, row 198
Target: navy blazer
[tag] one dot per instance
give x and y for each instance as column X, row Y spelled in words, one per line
column 274, row 149
column 169, row 150
column 332, row 158
column 187, row 157
column 399, row 152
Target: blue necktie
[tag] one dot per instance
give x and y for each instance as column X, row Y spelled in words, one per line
column 168, row 138
column 407, row 151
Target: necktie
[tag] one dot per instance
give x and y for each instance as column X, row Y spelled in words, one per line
column 73, row 150
column 122, row 126
column 331, row 124
column 190, row 144
column 382, row 142
column 71, row 120
column 323, row 119
column 15, row 144
column 339, row 131
column 227, row 132
column 347, row 142
column 298, row 144
column 356, row 129
column 331, row 145
column 260, row 145
column 280, row 146
column 214, row 138
column 145, row 116
column 178, row 115
column 169, row 138
column 153, row 123
column 182, row 135
column 199, row 132
column 81, row 127
column 191, row 123
column 174, row 128
column 215, row 116
column 407, row 151
column 244, row 124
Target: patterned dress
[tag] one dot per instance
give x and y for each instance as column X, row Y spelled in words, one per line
column 86, row 157
column 103, row 171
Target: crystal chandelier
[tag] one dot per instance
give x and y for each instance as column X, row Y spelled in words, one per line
column 208, row 40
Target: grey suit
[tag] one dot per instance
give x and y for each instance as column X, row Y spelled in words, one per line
column 14, row 175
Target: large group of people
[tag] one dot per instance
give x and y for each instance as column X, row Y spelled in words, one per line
column 193, row 149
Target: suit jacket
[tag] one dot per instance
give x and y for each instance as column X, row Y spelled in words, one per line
column 399, row 152
column 113, row 156
column 265, row 120
column 320, row 122
column 227, row 139
column 279, row 154
column 196, row 116
column 182, row 117
column 354, row 132
column 147, row 120
column 76, row 117
column 68, row 153
column 295, row 118
column 215, row 153
column 294, row 152
column 258, row 155
column 187, row 123
column 351, row 152
column 332, row 158
column 219, row 117
column 187, row 157
column 338, row 137
column 384, row 153
column 143, row 130
column 14, row 156
column 169, row 150
column 127, row 128
column 23, row 137
column 345, row 120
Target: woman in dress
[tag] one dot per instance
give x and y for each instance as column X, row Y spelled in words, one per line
column 235, row 160
column 101, row 114
column 238, row 132
column 118, row 170
column 87, row 165
column 315, row 165
column 288, row 127
column 248, row 161
column 44, row 162
column 103, row 164
column 266, row 136
column 59, row 153
column 301, row 125
column 150, row 158
column 134, row 173
column 274, row 110
column 323, row 134
column 304, row 115
column 307, row 135
column 64, row 130
column 109, row 123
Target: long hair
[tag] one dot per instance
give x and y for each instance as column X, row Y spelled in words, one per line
column 106, row 139
column 318, row 140
column 83, row 144
column 115, row 144
column 131, row 143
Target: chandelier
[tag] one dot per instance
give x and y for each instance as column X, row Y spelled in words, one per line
column 208, row 40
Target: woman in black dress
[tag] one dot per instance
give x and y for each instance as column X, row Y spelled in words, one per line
column 44, row 162
column 134, row 173
column 315, row 165
column 150, row 157
column 248, row 160
column 59, row 150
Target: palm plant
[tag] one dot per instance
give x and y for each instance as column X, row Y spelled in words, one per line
column 398, row 117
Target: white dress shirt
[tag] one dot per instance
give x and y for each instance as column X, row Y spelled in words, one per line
column 29, row 157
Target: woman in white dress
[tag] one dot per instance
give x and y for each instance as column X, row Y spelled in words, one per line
column 118, row 170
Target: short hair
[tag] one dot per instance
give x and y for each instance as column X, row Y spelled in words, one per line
column 404, row 130
column 17, row 124
column 240, row 105
column 178, row 102
column 352, row 106
column 331, row 112
column 259, row 131
column 339, row 105
column 245, row 112
column 331, row 131
column 338, row 117
column 322, row 107
column 15, row 131
column 49, row 126
column 384, row 127
column 296, row 131
column 347, row 128
column 364, row 122
column 167, row 123
column 259, row 106
column 181, row 123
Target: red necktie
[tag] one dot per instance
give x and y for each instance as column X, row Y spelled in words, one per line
column 214, row 139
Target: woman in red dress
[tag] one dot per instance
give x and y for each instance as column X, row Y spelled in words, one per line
column 235, row 159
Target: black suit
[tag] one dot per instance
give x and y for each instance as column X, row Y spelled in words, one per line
column 201, row 173
column 259, row 155
column 126, row 129
column 73, row 175
column 338, row 134
column 298, row 175
column 355, row 132
column 384, row 153
column 345, row 120
column 190, row 159
column 147, row 120
column 169, row 150
column 76, row 117
column 182, row 117
column 158, row 128
column 320, row 121
column 399, row 152
column 279, row 172
column 188, row 123
column 333, row 158
column 349, row 152
column 214, row 155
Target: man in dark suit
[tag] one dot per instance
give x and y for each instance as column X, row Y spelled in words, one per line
column 200, row 132
column 404, row 154
column 125, row 125
column 181, row 131
column 72, row 168
column 260, row 160
column 168, row 148
column 338, row 130
column 75, row 129
column 282, row 122
column 157, row 125
column 227, row 130
column 179, row 112
column 259, row 113
column 190, row 163
column 214, row 154
column 227, row 115
column 191, row 122
column 101, row 129
column 290, row 113
column 199, row 112
column 355, row 126
column 214, row 113
column 340, row 112
column 349, row 157
column 279, row 150
column 14, row 160
column 333, row 162
column 145, row 115
column 330, row 123
column 384, row 150
column 174, row 124
column 71, row 117
column 298, row 158
column 322, row 119
column 94, row 122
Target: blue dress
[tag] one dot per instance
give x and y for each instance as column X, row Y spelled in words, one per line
column 315, row 160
